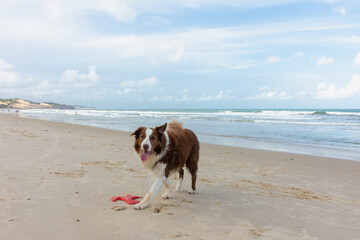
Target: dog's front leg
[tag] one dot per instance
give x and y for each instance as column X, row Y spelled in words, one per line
column 150, row 195
column 167, row 193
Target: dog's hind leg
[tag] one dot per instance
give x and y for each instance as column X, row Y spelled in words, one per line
column 192, row 190
column 192, row 166
column 181, row 178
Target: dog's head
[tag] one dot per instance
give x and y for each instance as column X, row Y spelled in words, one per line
column 150, row 141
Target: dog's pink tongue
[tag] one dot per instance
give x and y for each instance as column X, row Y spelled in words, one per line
column 145, row 156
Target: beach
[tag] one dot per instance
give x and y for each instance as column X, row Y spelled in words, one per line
column 57, row 180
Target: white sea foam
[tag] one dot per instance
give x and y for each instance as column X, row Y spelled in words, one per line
column 344, row 113
column 293, row 117
column 323, row 128
column 309, row 123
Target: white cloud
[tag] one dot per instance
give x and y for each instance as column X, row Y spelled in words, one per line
column 341, row 10
column 273, row 59
column 185, row 91
column 125, row 91
column 74, row 79
column 212, row 47
column 332, row 92
column 177, row 52
column 351, row 40
column 145, row 83
column 44, row 88
column 242, row 65
column 13, row 83
column 209, row 46
column 221, row 96
column 357, row 60
column 118, row 10
column 54, row 9
column 325, row 61
column 197, row 47
column 161, row 98
column 185, row 96
column 240, row 4
column 155, row 48
column 298, row 54
column 5, row 65
column 163, row 51
column 157, row 19
column 274, row 94
column 8, row 76
column 131, row 86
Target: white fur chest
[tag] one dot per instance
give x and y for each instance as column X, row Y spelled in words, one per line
column 150, row 162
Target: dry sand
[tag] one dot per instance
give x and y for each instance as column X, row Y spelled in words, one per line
column 57, row 180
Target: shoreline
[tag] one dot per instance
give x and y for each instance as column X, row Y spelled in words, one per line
column 264, row 150
column 248, row 142
column 281, row 147
column 58, row 179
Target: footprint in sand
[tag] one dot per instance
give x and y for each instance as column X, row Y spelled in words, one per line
column 272, row 190
column 71, row 174
column 179, row 234
column 118, row 208
column 106, row 164
column 206, row 180
column 162, row 208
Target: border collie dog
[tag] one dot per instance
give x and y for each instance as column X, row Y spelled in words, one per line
column 166, row 150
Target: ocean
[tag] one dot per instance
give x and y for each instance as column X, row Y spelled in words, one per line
column 320, row 132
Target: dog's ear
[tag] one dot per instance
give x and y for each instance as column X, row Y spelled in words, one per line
column 137, row 132
column 162, row 128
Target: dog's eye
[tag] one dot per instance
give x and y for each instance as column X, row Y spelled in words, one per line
column 142, row 136
column 153, row 138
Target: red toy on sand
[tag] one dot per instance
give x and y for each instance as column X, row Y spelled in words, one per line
column 129, row 199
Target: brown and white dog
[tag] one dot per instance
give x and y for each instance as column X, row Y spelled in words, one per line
column 166, row 150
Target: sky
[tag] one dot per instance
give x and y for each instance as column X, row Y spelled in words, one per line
column 162, row 54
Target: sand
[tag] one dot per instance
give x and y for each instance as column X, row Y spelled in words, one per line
column 57, row 180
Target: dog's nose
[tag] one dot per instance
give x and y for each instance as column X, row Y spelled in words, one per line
column 146, row 147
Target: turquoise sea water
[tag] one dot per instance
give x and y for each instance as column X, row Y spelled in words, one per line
column 323, row 132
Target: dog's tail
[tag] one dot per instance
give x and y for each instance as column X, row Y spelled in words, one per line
column 174, row 126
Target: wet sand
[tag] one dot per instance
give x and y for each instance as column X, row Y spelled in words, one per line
column 57, row 180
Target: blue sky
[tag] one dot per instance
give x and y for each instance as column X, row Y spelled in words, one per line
column 182, row 54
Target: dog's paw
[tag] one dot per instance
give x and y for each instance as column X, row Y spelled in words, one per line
column 178, row 187
column 166, row 195
column 140, row 206
column 192, row 191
